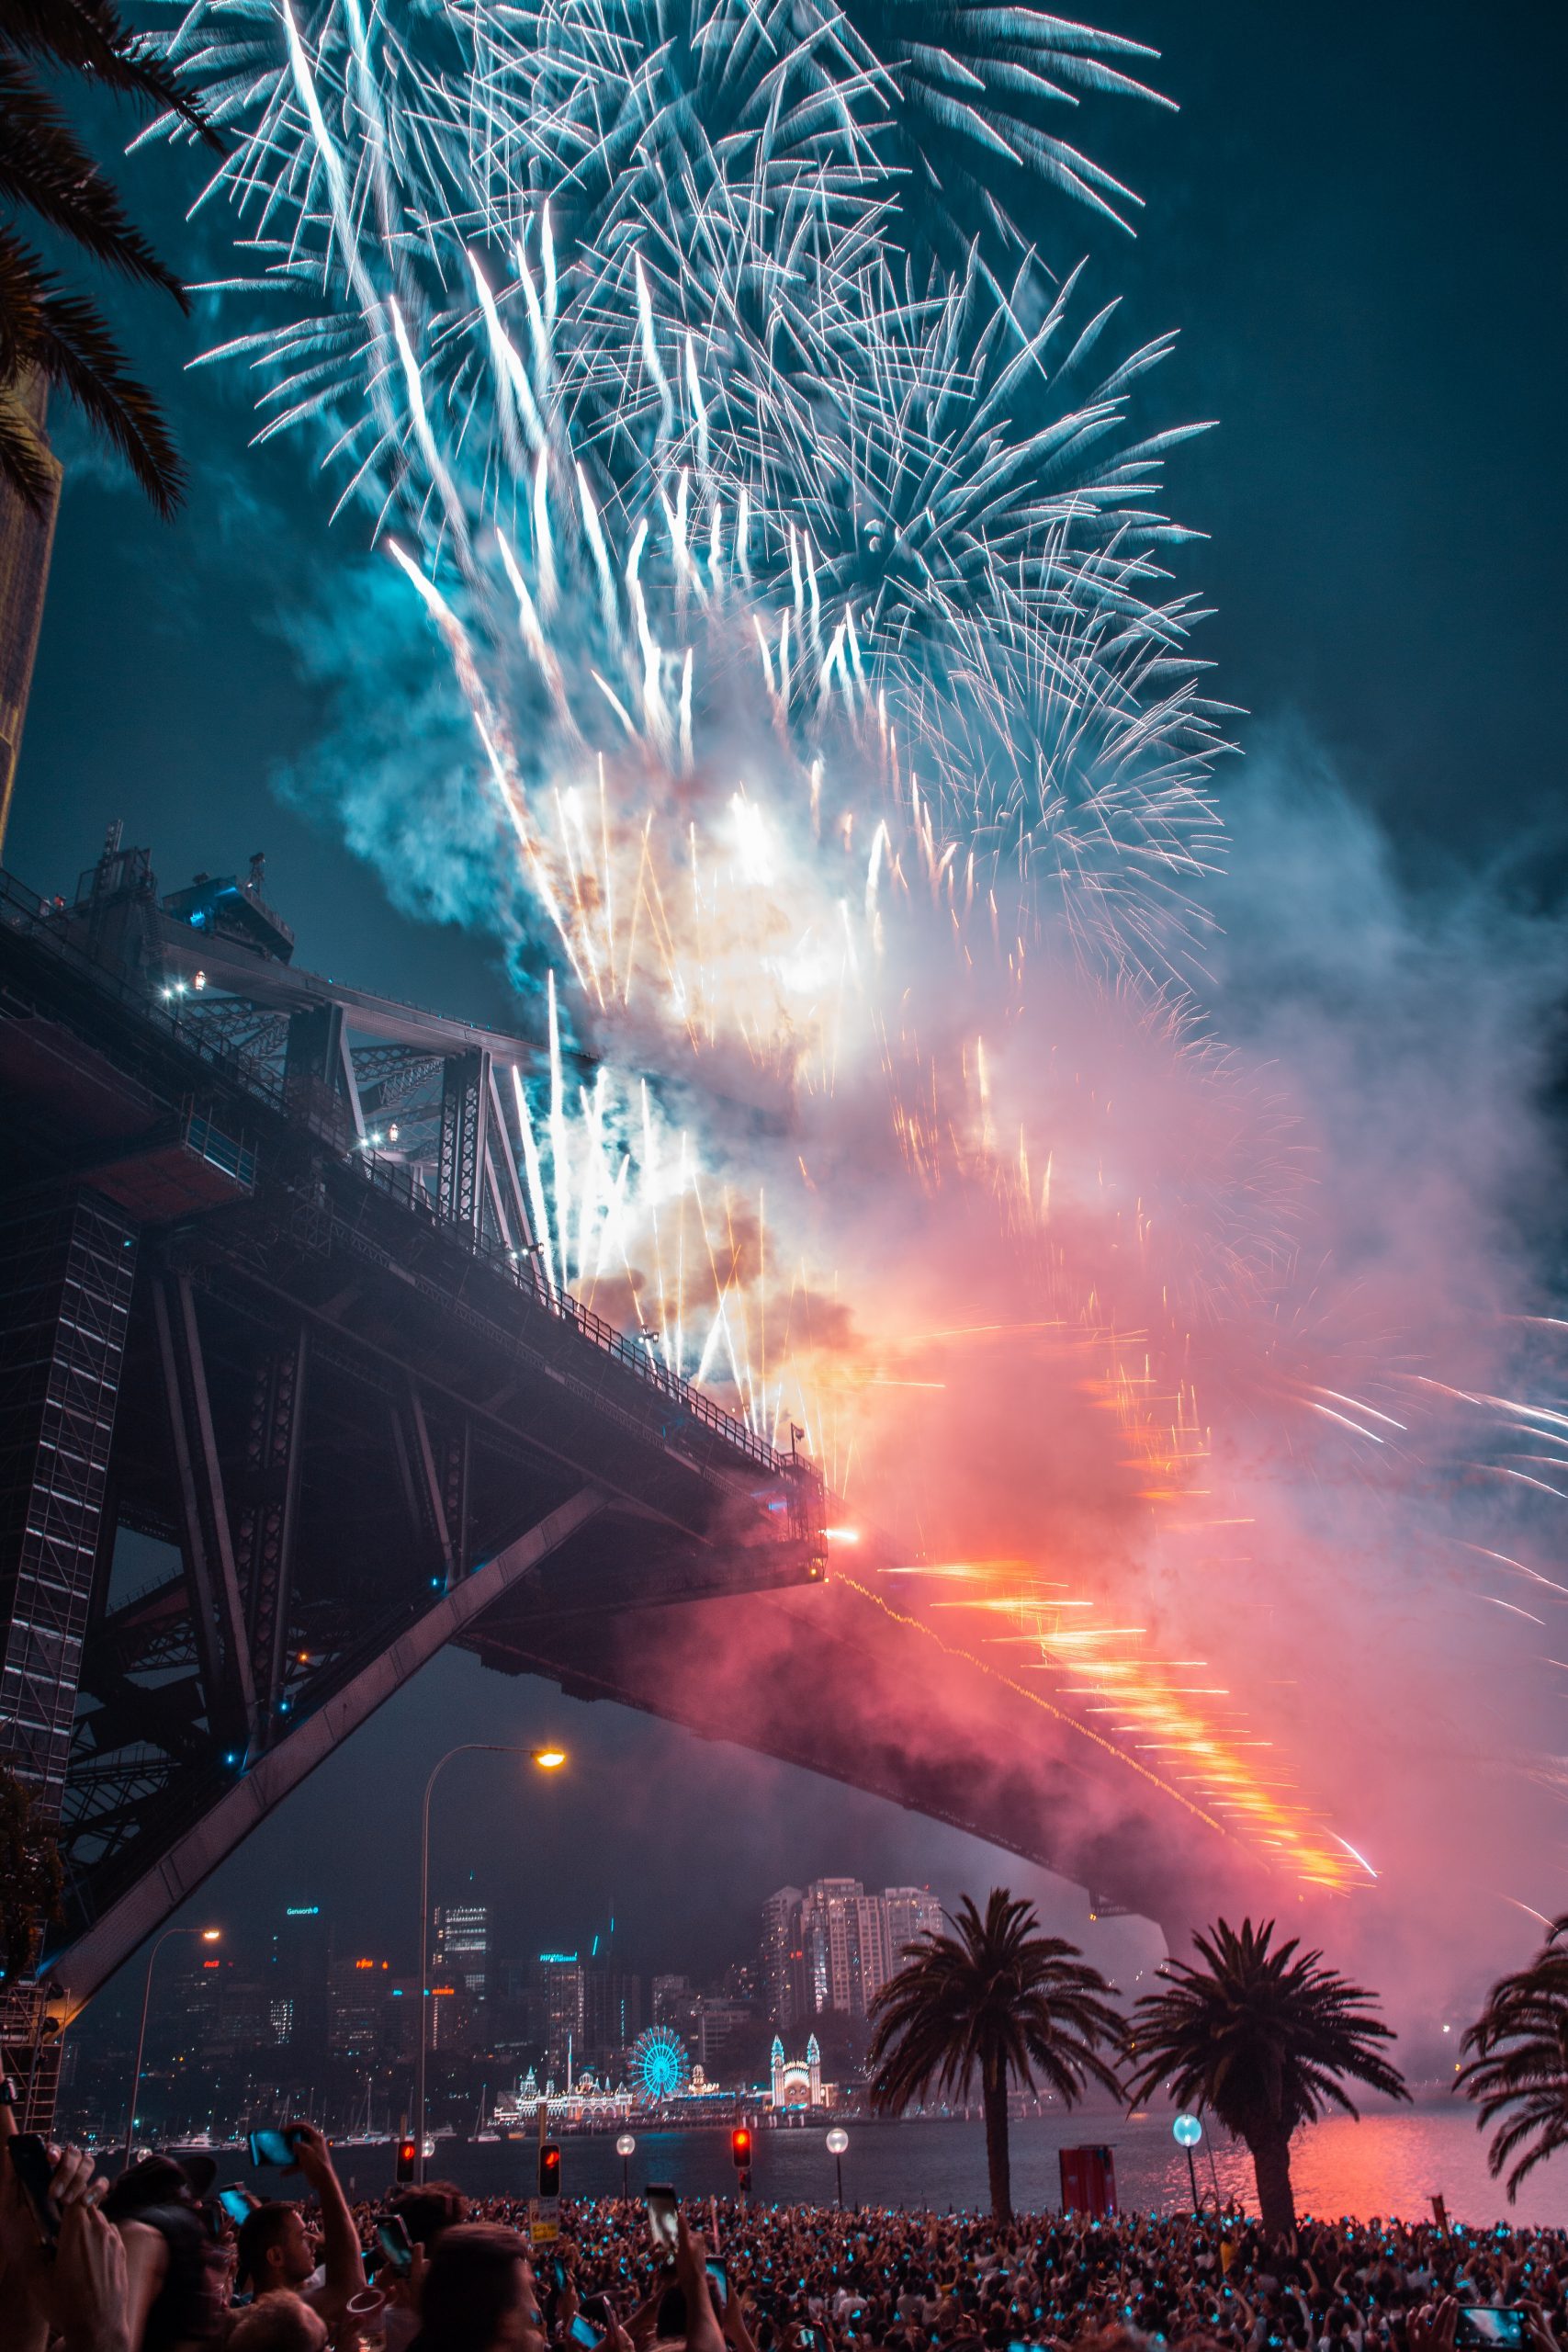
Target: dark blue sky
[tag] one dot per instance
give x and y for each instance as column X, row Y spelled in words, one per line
column 1356, row 222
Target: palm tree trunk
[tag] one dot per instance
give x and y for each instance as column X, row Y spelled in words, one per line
column 999, row 2161
column 1271, row 2167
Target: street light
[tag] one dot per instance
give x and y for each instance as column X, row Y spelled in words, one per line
column 1186, row 2131
column 548, row 1760
column 626, row 2147
column 838, row 2141
column 209, row 1936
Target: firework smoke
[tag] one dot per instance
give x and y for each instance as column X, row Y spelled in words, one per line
column 788, row 529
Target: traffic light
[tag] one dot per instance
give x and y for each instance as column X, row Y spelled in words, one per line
column 740, row 2157
column 406, row 2150
column 549, row 2169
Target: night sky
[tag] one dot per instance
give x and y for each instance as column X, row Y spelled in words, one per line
column 1356, row 221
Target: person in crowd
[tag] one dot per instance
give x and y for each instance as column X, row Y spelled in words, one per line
column 176, row 2283
column 477, row 2294
column 281, row 2321
column 276, row 2253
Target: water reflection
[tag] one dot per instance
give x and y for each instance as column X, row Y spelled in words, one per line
column 1385, row 2164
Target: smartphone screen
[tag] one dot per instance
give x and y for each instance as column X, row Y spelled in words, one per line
column 29, row 2160
column 392, row 2236
column 236, row 2203
column 719, row 2278
column 1491, row 2325
column 662, row 2218
column 272, row 2148
column 583, row 2331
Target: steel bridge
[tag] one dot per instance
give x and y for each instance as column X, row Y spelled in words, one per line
column 271, row 1296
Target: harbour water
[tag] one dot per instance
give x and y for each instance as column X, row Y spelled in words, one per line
column 1388, row 2163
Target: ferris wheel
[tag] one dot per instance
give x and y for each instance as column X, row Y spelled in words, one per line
column 657, row 2064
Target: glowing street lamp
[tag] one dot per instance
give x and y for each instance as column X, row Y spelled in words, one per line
column 209, row 1936
column 1186, row 2131
column 838, row 2141
column 547, row 1759
column 626, row 2147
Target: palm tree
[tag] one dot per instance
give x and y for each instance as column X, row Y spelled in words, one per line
column 1263, row 2039
column 1520, row 2066
column 48, row 334
column 998, row 2000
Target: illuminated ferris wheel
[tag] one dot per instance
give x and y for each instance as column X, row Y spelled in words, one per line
column 658, row 2065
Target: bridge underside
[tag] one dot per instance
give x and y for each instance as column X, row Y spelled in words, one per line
column 321, row 1385
column 827, row 1681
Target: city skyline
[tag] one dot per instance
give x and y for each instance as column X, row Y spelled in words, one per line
column 309, row 2009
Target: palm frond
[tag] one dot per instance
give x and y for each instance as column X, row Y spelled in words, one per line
column 1519, row 2074
column 1265, row 2036
column 25, row 465
column 995, row 2001
column 45, row 169
column 90, row 38
column 68, row 341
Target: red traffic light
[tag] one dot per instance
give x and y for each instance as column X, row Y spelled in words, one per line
column 740, row 2148
column 406, row 2150
column 549, row 2169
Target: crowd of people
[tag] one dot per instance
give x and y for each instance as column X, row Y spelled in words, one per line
column 154, row 2262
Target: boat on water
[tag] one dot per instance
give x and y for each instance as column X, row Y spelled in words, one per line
column 362, row 2132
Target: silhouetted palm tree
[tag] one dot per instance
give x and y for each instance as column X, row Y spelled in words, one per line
column 1262, row 2039
column 46, row 331
column 1520, row 2067
column 998, row 2000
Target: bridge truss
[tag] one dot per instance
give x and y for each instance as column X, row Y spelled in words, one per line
column 269, row 1275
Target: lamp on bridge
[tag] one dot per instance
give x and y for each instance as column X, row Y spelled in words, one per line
column 209, row 1936
column 548, row 1758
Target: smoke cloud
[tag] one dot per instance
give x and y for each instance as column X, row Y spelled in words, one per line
column 1185, row 1329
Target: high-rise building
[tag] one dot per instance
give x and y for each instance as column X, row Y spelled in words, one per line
column 462, row 1947
column 783, row 1958
column 834, row 1947
column 724, row 2033
column 362, row 2023
column 877, row 1961
column 672, row 2001
column 296, row 1989
column 911, row 1911
column 611, row 2019
column 830, row 1931
column 562, row 2011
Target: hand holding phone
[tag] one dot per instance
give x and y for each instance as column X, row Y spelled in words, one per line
column 392, row 2236
column 237, row 2202
column 34, row 2170
column 663, row 2224
column 275, row 2148
column 1494, row 2326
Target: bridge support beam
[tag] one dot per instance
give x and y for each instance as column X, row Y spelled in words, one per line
column 70, row 1268
column 87, row 1964
column 217, row 1609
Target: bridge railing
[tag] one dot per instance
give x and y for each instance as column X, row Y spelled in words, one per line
column 52, row 924
column 519, row 1268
